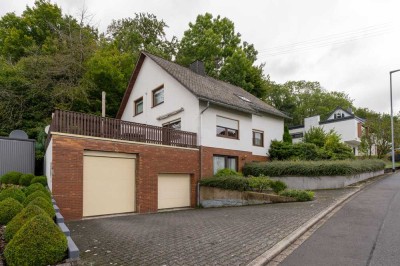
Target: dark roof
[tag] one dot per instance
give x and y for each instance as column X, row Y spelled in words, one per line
column 207, row 89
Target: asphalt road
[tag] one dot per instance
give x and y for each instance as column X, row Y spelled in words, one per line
column 366, row 231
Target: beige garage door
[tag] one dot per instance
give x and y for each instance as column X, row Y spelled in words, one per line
column 173, row 191
column 108, row 183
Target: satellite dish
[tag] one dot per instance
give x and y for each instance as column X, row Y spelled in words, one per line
column 18, row 134
column 46, row 129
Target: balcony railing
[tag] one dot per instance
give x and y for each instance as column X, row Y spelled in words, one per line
column 104, row 127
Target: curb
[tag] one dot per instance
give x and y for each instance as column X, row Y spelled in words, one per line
column 271, row 253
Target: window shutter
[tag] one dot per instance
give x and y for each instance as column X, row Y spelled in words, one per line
column 228, row 123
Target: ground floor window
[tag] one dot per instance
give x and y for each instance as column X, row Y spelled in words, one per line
column 222, row 161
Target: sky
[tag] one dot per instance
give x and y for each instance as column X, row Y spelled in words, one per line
column 346, row 45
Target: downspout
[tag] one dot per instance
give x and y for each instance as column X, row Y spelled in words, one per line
column 201, row 152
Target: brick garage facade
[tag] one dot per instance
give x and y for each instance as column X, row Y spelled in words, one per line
column 67, row 165
column 207, row 154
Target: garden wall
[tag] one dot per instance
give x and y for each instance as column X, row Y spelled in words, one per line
column 216, row 197
column 325, row 182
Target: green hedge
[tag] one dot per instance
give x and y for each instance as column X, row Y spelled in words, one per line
column 8, row 209
column 20, row 219
column 35, row 195
column 45, row 205
column 26, row 179
column 12, row 192
column 38, row 242
column 312, row 168
column 227, row 182
column 11, row 178
column 299, row 195
column 35, row 187
column 39, row 179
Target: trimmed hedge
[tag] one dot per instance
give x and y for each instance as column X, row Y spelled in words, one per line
column 26, row 179
column 11, row 178
column 35, row 195
column 38, row 242
column 278, row 186
column 12, row 192
column 227, row 182
column 313, row 168
column 8, row 209
column 45, row 205
column 299, row 195
column 39, row 179
column 35, row 187
column 227, row 172
column 20, row 219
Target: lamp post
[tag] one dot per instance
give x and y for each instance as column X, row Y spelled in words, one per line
column 391, row 117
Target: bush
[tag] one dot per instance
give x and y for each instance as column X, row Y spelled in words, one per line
column 45, row 205
column 301, row 151
column 12, row 192
column 26, row 179
column 20, row 219
column 35, row 195
column 278, row 186
column 8, row 209
column 35, row 187
column 226, row 172
column 227, row 182
column 38, row 242
column 312, row 168
column 259, row 183
column 299, row 195
column 11, row 178
column 39, row 179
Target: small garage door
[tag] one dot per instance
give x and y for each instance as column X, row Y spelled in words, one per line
column 173, row 191
column 108, row 183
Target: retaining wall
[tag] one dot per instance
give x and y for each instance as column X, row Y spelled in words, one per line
column 325, row 182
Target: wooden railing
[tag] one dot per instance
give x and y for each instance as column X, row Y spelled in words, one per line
column 104, row 127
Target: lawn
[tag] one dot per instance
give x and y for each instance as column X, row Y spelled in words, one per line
column 388, row 164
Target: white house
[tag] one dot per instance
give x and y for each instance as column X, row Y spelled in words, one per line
column 349, row 126
column 232, row 125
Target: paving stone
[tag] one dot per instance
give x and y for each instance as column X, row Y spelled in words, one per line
column 216, row 236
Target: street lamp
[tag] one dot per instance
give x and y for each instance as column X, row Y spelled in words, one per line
column 391, row 117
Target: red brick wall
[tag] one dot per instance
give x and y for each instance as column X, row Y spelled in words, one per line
column 151, row 160
column 207, row 154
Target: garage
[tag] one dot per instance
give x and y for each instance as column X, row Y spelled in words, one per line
column 173, row 191
column 108, row 183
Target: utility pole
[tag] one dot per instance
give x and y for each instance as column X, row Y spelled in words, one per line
column 391, row 119
column 103, row 104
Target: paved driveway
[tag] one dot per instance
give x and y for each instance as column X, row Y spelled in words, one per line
column 219, row 236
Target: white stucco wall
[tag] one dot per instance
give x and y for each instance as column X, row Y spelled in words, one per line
column 347, row 129
column 48, row 160
column 294, row 131
column 175, row 97
column 272, row 127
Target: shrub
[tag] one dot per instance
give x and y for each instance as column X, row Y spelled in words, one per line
column 45, row 205
column 259, row 183
column 8, row 209
column 20, row 219
column 39, row 179
column 26, row 179
column 35, row 195
column 12, row 192
column 38, row 242
column 226, row 172
column 35, row 187
column 299, row 195
column 226, row 182
column 283, row 151
column 312, row 168
column 11, row 178
column 278, row 186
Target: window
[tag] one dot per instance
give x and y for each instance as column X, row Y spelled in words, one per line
column 173, row 125
column 338, row 115
column 158, row 96
column 258, row 138
column 297, row 135
column 227, row 128
column 139, row 106
column 221, row 162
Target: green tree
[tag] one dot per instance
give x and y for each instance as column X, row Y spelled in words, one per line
column 286, row 135
column 315, row 135
column 215, row 42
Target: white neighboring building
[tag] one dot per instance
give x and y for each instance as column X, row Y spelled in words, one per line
column 349, row 126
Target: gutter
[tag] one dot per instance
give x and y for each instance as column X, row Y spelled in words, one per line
column 201, row 151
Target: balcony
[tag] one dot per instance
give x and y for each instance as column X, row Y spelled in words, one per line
column 110, row 128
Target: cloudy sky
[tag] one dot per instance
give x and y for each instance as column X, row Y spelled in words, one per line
column 346, row 45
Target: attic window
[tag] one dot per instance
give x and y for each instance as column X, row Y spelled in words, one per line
column 243, row 98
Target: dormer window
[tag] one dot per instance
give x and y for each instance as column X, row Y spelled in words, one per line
column 338, row 115
column 158, row 95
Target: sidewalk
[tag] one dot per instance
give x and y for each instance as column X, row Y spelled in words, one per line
column 218, row 236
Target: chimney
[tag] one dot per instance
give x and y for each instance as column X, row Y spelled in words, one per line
column 198, row 67
column 350, row 110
